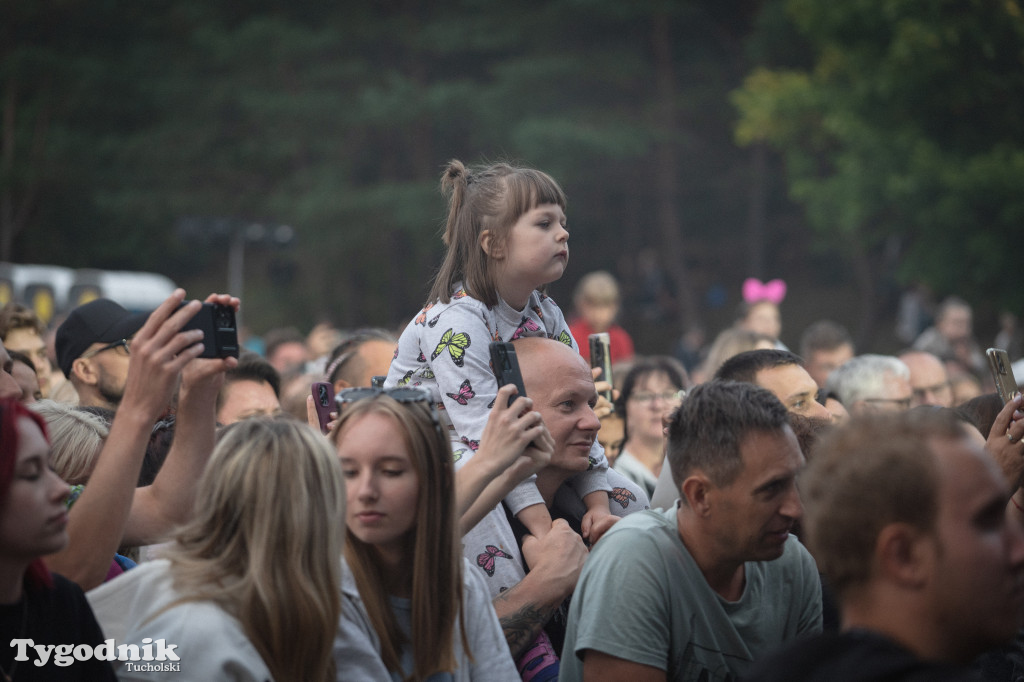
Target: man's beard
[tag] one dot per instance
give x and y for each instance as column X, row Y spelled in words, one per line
column 109, row 390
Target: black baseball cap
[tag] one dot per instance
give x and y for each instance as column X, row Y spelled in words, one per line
column 99, row 321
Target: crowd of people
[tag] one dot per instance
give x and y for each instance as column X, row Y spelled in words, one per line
column 735, row 512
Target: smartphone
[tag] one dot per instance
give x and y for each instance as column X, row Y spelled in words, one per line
column 323, row 400
column 506, row 367
column 601, row 356
column 220, row 333
column 1002, row 373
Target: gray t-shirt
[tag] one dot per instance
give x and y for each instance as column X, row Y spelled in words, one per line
column 642, row 597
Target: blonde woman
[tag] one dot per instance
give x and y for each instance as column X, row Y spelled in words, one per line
column 250, row 589
column 407, row 590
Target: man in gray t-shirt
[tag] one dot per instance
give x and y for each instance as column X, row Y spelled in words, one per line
column 700, row 590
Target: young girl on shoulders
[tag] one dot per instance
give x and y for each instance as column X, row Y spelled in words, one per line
column 507, row 238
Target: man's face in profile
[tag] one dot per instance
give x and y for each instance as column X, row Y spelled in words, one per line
column 792, row 385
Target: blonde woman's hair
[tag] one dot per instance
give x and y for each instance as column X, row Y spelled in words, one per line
column 490, row 198
column 76, row 439
column 434, row 551
column 266, row 542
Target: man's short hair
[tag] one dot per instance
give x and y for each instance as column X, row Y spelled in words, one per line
column 17, row 316
column 871, row 472
column 824, row 335
column 251, row 367
column 864, row 377
column 706, row 431
column 951, row 303
column 344, row 362
column 746, row 365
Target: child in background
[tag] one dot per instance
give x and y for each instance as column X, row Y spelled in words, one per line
column 506, row 240
column 597, row 302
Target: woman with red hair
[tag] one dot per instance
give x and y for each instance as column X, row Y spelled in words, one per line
column 36, row 605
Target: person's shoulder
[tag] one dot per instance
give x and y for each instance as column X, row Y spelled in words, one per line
column 856, row 656
column 633, row 533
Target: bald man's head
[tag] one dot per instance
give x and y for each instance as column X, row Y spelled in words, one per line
column 559, row 382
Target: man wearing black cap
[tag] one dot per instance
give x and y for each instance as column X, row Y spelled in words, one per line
column 93, row 346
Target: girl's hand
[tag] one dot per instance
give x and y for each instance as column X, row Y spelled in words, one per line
column 314, row 420
column 603, row 408
column 596, row 523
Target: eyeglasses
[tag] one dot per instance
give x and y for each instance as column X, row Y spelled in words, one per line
column 649, row 397
column 127, row 343
column 922, row 393
column 401, row 394
column 901, row 403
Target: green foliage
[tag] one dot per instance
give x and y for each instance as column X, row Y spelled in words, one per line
column 908, row 129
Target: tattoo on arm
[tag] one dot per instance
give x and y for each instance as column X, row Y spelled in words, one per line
column 523, row 626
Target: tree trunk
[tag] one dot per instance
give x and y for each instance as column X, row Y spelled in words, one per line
column 666, row 167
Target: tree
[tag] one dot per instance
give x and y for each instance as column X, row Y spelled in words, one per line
column 904, row 141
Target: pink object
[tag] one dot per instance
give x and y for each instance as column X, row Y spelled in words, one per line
column 754, row 290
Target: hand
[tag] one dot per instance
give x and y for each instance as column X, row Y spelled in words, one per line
column 557, row 558
column 159, row 351
column 207, row 374
column 1004, row 442
column 596, row 523
column 313, row 419
column 603, row 408
column 515, row 436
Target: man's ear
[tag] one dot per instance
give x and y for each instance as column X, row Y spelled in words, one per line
column 490, row 246
column 696, row 489
column 905, row 555
column 85, row 371
column 340, row 384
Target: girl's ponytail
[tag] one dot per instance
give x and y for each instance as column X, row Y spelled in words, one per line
column 453, row 185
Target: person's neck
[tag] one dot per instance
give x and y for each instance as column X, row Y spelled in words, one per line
column 548, row 482
column 901, row 620
column 396, row 562
column 650, row 453
column 725, row 576
column 515, row 295
column 12, row 581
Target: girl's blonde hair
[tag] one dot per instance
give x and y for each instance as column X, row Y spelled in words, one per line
column 76, row 437
column 433, row 554
column 491, row 198
column 266, row 542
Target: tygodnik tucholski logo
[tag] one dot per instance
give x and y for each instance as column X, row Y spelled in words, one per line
column 151, row 656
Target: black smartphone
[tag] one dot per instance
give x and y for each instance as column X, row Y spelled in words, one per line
column 1002, row 373
column 323, row 400
column 506, row 367
column 220, row 333
column 601, row 356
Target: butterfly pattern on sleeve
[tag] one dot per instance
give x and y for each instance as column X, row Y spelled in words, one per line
column 473, row 445
column 421, row 319
column 405, row 379
column 525, row 326
column 421, row 357
column 623, row 496
column 486, row 559
column 427, row 373
column 433, row 321
column 456, row 345
column 464, row 395
column 540, row 313
column 461, row 293
column 565, row 338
